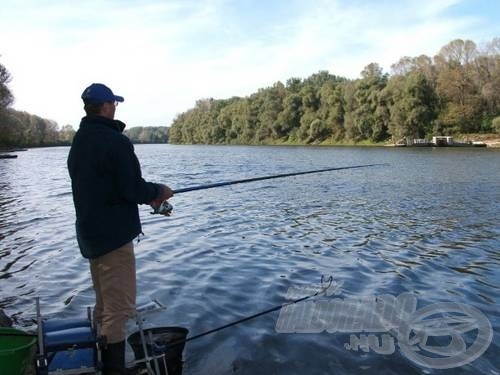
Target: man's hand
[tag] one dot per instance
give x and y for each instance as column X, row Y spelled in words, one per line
column 164, row 194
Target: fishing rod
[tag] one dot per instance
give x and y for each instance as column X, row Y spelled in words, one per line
column 166, row 208
column 242, row 320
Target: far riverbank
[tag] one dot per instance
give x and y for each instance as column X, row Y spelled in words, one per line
column 491, row 140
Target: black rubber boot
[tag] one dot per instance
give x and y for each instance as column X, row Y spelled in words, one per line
column 113, row 359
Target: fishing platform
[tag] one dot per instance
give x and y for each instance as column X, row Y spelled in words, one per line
column 73, row 347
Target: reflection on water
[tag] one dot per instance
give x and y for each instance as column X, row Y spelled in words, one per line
column 426, row 224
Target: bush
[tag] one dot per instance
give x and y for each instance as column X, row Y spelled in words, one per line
column 496, row 124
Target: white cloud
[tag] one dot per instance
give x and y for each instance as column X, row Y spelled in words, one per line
column 163, row 56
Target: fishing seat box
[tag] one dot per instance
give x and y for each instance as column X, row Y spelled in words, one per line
column 69, row 346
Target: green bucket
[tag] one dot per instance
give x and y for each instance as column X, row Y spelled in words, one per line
column 15, row 351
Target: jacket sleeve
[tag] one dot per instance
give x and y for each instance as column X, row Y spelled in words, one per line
column 128, row 178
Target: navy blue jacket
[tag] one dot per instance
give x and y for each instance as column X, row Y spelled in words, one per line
column 107, row 186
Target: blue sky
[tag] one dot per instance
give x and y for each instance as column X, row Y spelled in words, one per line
column 162, row 56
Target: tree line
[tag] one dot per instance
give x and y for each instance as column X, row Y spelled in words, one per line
column 455, row 92
column 148, row 134
column 22, row 129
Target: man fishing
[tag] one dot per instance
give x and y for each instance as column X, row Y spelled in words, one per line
column 107, row 187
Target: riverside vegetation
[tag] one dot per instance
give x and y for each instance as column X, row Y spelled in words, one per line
column 455, row 92
column 22, row 129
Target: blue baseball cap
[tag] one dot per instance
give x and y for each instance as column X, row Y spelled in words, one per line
column 99, row 93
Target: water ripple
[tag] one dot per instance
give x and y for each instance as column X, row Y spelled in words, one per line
column 231, row 252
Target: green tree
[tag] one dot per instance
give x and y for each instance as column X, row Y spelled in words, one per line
column 366, row 98
column 289, row 118
column 6, row 97
column 294, row 85
column 272, row 105
column 331, row 110
column 413, row 105
column 496, row 124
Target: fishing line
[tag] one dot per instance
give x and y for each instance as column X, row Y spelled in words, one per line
column 242, row 320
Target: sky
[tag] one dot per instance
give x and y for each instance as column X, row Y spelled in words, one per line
column 163, row 56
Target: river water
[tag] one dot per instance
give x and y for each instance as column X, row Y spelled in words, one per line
column 426, row 224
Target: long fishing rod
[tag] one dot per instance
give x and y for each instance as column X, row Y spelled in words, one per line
column 242, row 320
column 243, row 181
column 165, row 208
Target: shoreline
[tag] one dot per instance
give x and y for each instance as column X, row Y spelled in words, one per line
column 490, row 140
column 487, row 144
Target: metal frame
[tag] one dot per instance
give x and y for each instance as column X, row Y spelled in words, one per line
column 151, row 361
